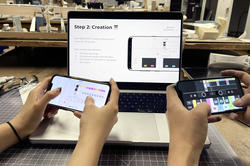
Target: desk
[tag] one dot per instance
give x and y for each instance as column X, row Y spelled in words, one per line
column 39, row 39
column 234, row 132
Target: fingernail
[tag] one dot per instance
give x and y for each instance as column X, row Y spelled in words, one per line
column 238, row 102
column 89, row 97
column 59, row 89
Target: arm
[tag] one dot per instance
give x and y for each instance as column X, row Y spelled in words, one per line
column 244, row 101
column 30, row 115
column 7, row 137
column 95, row 126
column 188, row 130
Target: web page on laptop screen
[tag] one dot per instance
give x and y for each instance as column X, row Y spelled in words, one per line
column 127, row 50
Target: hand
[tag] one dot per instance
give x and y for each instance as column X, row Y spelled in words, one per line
column 98, row 122
column 188, row 130
column 95, row 126
column 244, row 101
column 29, row 117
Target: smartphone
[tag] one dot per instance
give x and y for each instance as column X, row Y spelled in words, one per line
column 75, row 90
column 153, row 53
column 219, row 93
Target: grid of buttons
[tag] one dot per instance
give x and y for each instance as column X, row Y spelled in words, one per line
column 217, row 104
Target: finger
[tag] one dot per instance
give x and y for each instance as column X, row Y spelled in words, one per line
column 214, row 118
column 247, row 116
column 44, row 84
column 78, row 114
column 243, row 76
column 203, row 108
column 244, row 101
column 173, row 100
column 114, row 96
column 233, row 116
column 89, row 100
column 50, row 111
column 245, row 91
column 49, row 96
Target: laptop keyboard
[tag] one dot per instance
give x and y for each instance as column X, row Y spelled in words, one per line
column 142, row 102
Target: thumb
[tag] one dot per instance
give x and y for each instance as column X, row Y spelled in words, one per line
column 203, row 109
column 78, row 114
column 89, row 100
column 243, row 101
column 50, row 95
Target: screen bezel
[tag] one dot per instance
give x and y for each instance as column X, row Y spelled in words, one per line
column 180, row 93
column 81, row 79
column 129, row 15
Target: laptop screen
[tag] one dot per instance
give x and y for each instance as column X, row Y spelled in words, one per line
column 137, row 49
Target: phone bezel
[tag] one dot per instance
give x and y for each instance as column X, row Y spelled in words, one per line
column 130, row 53
column 180, row 94
column 77, row 78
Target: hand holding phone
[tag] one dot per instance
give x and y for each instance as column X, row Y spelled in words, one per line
column 75, row 90
column 219, row 93
column 95, row 126
column 244, row 101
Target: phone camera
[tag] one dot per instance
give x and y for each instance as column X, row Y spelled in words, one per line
column 220, row 92
column 203, row 94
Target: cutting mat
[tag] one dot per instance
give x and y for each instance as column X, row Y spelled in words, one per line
column 219, row 153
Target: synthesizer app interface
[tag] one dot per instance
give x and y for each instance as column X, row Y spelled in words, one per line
column 218, row 93
column 74, row 93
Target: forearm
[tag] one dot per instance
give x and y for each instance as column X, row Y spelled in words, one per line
column 7, row 137
column 87, row 152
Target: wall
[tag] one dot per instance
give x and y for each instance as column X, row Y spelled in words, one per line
column 238, row 18
column 224, row 9
column 248, row 24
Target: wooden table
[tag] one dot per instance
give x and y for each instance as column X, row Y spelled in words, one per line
column 234, row 132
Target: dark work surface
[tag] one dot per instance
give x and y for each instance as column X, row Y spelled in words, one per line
column 219, row 153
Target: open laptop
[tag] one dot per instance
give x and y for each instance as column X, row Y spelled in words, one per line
column 142, row 52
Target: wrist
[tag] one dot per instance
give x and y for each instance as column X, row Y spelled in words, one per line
column 91, row 138
column 21, row 130
column 183, row 155
column 93, row 134
column 87, row 150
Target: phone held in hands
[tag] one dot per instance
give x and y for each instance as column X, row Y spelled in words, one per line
column 219, row 93
column 75, row 90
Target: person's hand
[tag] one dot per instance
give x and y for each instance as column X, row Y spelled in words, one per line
column 97, row 122
column 244, row 101
column 188, row 129
column 95, row 126
column 35, row 107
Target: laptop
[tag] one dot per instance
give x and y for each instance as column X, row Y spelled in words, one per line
column 141, row 51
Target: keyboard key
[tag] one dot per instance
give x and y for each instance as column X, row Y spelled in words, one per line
column 142, row 102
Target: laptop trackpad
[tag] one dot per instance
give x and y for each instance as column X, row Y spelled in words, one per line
column 135, row 127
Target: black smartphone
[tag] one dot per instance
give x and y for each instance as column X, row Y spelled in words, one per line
column 75, row 90
column 219, row 93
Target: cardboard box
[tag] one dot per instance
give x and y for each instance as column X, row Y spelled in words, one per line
column 3, row 1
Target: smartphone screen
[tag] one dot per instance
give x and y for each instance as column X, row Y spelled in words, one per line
column 153, row 53
column 219, row 93
column 74, row 92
